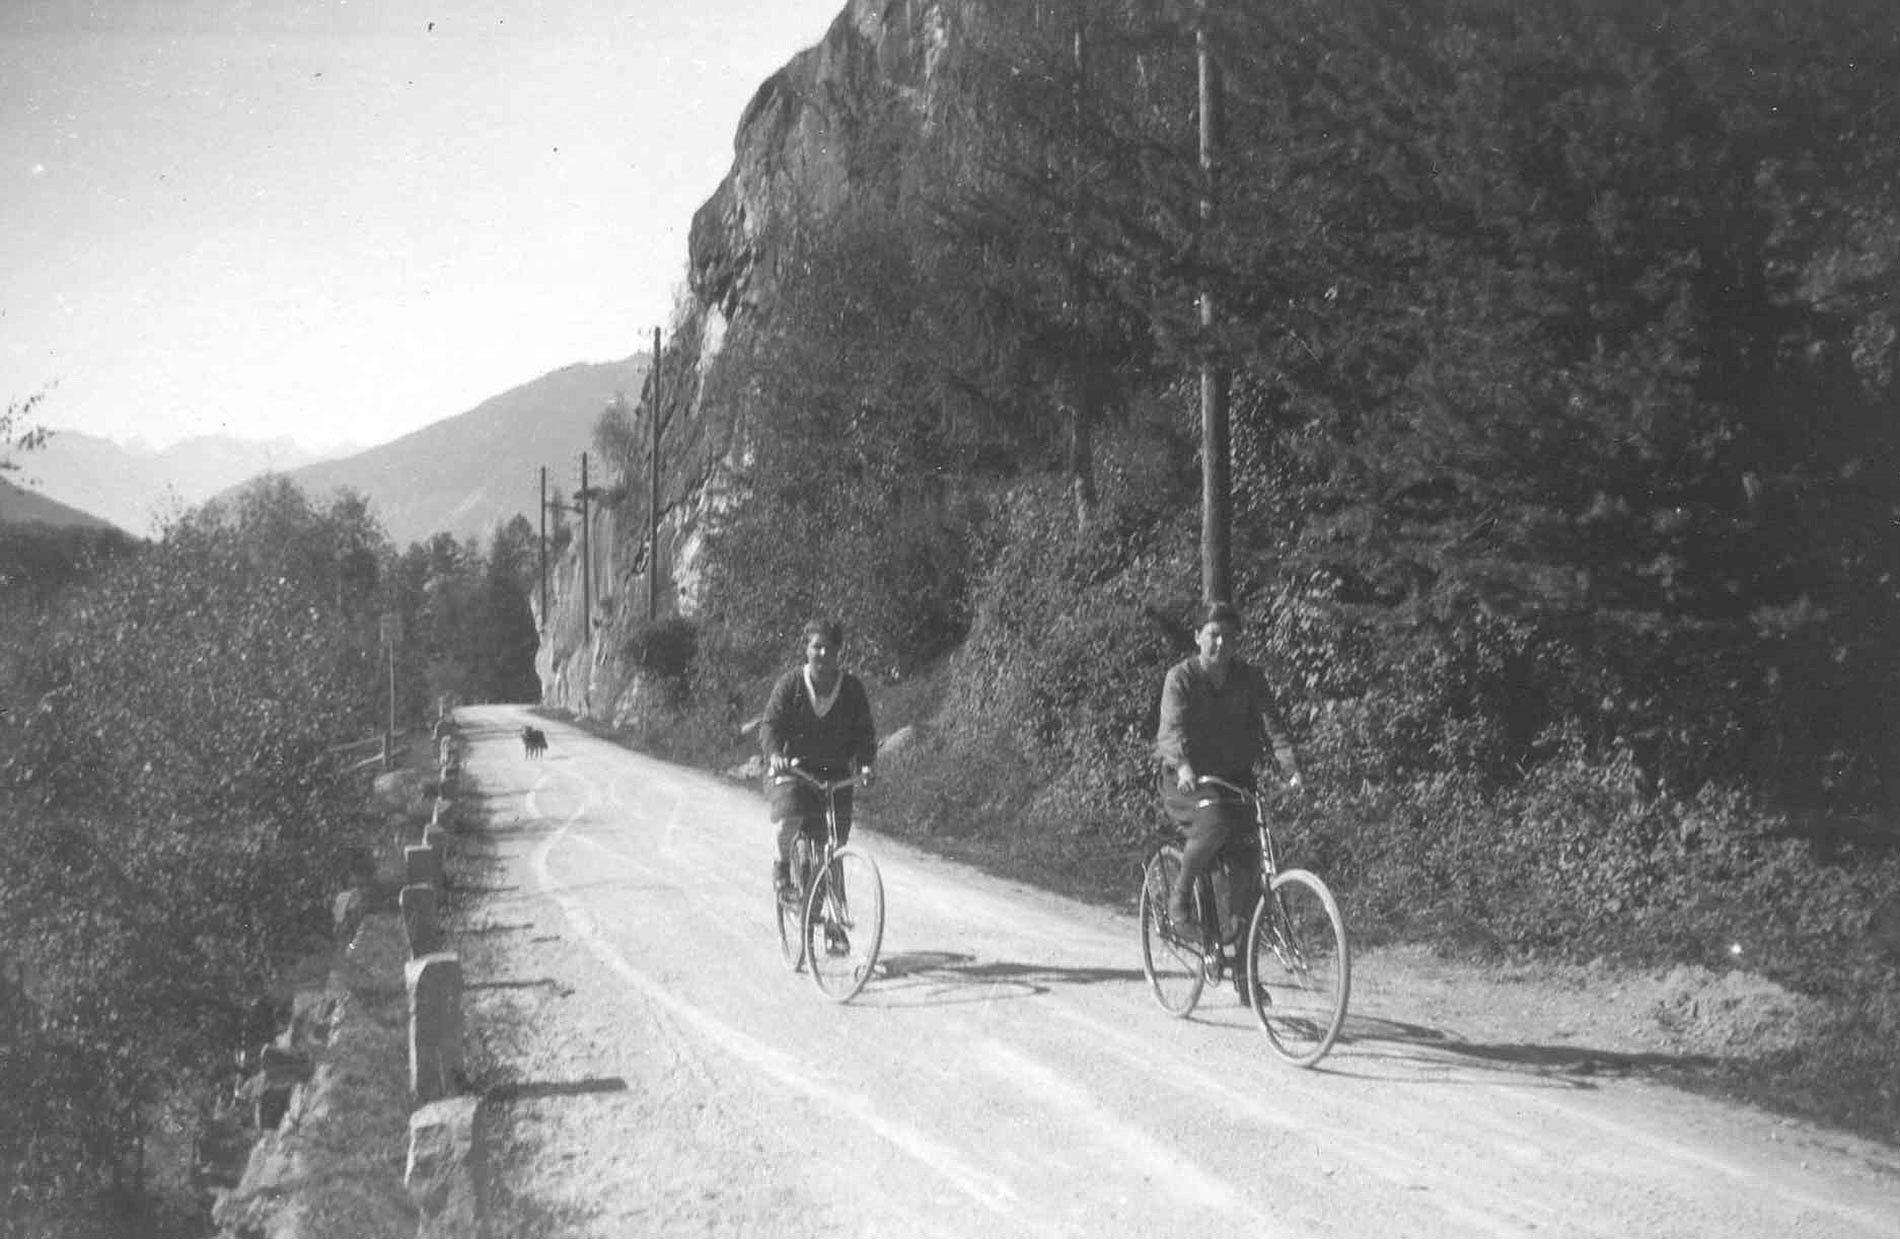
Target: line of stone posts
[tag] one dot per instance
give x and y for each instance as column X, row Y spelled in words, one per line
column 442, row 1133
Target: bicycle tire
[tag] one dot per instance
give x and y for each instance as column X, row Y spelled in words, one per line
column 1172, row 965
column 844, row 924
column 1300, row 967
column 791, row 913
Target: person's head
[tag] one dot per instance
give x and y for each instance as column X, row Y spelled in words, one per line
column 1218, row 636
column 824, row 639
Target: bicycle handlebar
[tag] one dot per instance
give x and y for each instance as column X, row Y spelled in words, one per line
column 794, row 769
column 1209, row 780
column 1248, row 795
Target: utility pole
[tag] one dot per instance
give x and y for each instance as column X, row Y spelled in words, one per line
column 587, row 560
column 653, row 482
column 391, row 632
column 544, row 546
column 1216, row 462
column 580, row 510
column 1084, row 398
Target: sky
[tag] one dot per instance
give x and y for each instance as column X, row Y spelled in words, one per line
column 342, row 220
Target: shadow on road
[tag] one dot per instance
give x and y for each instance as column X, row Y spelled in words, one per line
column 482, row 931
column 940, row 978
column 482, row 800
column 470, row 888
column 548, row 983
column 529, row 1090
column 1368, row 1043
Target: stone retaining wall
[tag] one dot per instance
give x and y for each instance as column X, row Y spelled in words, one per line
column 367, row 1128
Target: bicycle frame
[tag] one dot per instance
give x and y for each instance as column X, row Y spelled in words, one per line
column 1291, row 959
column 829, row 789
column 843, row 957
column 1269, row 853
column 802, row 843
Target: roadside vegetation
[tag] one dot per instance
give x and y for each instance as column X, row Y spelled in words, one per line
column 1562, row 341
column 177, row 812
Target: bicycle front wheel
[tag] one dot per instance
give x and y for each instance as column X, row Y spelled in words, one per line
column 1168, row 952
column 791, row 911
column 1300, row 966
column 844, row 924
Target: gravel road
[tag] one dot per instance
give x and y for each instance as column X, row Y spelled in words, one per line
column 652, row 1068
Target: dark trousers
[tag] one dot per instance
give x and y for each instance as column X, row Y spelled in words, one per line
column 796, row 807
column 1209, row 829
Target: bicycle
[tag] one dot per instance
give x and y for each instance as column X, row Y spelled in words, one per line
column 1293, row 967
column 835, row 915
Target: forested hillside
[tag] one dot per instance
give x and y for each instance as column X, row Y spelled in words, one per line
column 183, row 726
column 1561, row 340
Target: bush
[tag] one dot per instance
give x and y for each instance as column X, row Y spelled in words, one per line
column 175, row 822
column 664, row 650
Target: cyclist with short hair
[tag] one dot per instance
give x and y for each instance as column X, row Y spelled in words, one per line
column 819, row 716
column 1218, row 718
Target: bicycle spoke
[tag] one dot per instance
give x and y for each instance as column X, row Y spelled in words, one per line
column 791, row 912
column 1169, row 957
column 844, row 925
column 1301, row 967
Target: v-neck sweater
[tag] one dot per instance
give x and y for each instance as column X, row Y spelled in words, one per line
column 840, row 739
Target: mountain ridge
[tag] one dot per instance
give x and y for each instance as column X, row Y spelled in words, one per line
column 451, row 475
column 20, row 505
column 134, row 486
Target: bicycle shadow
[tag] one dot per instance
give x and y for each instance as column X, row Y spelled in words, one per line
column 537, row 1090
column 944, row 978
column 1371, row 1047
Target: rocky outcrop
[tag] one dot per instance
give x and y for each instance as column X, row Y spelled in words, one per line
column 802, row 151
column 331, row 1098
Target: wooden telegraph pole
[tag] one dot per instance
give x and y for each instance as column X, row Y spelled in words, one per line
column 390, row 629
column 544, row 546
column 653, row 482
column 587, row 560
column 1216, row 462
column 1085, row 399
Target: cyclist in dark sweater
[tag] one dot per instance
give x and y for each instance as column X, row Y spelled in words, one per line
column 819, row 716
column 1217, row 718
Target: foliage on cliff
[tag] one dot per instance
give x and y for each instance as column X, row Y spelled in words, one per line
column 1562, row 341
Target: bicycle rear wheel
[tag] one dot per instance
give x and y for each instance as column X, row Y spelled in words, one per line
column 1172, row 962
column 1300, row 966
column 844, row 924
column 791, row 912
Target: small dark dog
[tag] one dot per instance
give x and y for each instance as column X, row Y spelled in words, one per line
column 534, row 741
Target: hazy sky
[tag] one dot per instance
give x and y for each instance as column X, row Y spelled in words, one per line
column 341, row 220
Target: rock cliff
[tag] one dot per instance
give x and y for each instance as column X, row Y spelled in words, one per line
column 801, row 152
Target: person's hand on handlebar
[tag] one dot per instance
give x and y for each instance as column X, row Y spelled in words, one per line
column 778, row 762
column 1184, row 777
column 866, row 776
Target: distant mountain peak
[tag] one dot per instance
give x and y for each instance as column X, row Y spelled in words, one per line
column 469, row 474
column 463, row 475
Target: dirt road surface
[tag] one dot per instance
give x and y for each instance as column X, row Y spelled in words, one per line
column 651, row 1067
